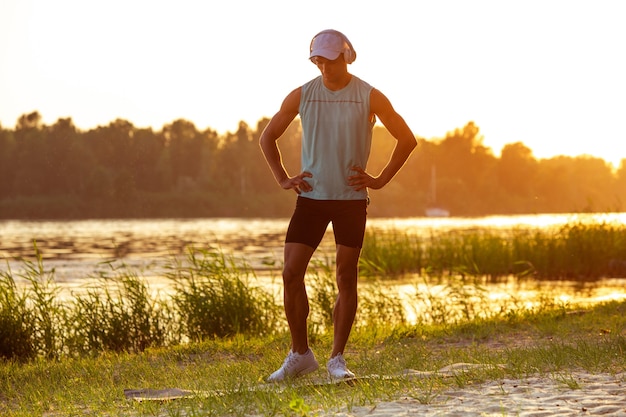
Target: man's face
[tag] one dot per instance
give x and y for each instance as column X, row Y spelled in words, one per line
column 331, row 70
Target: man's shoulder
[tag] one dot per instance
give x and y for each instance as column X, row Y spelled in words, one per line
column 362, row 82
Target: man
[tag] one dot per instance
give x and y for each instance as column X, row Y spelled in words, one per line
column 338, row 112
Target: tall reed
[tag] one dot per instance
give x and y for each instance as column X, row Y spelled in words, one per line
column 33, row 315
column 17, row 321
column 213, row 297
column 575, row 251
column 118, row 314
column 391, row 253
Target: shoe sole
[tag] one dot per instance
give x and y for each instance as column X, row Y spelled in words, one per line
column 345, row 376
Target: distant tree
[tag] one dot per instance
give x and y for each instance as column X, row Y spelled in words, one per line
column 184, row 143
column 120, row 170
column 209, row 156
column 566, row 184
column 465, row 171
column 111, row 144
column 595, row 183
column 30, row 156
column 68, row 162
column 517, row 169
column 29, row 121
column 98, row 185
column 7, row 161
column 233, row 156
column 124, row 188
column 147, row 169
column 554, row 185
column 620, row 184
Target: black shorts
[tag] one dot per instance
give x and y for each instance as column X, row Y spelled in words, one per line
column 311, row 218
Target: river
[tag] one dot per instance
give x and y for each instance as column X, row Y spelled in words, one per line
column 79, row 250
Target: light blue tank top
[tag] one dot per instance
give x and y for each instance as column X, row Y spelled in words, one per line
column 336, row 135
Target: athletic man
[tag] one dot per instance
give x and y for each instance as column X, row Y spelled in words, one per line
column 338, row 112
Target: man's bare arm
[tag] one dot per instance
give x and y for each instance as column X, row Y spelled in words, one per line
column 406, row 142
column 268, row 142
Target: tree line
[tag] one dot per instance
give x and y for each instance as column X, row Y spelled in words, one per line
column 121, row 171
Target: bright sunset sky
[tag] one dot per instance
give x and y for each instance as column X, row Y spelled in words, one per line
column 548, row 73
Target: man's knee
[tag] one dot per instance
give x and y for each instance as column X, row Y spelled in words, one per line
column 292, row 278
column 347, row 280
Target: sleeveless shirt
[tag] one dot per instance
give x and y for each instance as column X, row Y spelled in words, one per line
column 336, row 135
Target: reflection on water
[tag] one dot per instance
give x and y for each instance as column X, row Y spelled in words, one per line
column 103, row 239
column 507, row 295
column 415, row 224
column 77, row 250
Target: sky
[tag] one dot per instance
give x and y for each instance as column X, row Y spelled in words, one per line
column 548, row 73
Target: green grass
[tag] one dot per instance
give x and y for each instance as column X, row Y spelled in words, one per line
column 217, row 331
column 575, row 251
column 546, row 341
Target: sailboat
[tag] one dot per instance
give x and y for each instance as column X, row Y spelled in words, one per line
column 432, row 209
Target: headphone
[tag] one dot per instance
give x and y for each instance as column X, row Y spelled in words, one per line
column 349, row 54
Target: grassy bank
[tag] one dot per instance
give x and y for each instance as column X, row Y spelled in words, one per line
column 217, row 331
column 550, row 340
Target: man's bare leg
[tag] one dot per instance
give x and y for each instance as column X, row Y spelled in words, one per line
column 346, row 304
column 297, row 257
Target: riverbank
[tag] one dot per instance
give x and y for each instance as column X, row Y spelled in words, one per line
column 542, row 362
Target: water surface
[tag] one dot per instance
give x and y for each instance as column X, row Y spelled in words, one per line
column 80, row 250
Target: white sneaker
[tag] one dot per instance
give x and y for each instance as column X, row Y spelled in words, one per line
column 295, row 365
column 337, row 368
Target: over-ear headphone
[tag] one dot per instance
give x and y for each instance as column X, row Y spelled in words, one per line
column 349, row 54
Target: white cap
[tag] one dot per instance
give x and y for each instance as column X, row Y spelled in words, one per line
column 330, row 44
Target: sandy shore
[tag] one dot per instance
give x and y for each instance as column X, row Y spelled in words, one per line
column 560, row 394
column 574, row 394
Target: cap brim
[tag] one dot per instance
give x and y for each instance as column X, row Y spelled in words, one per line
column 326, row 53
